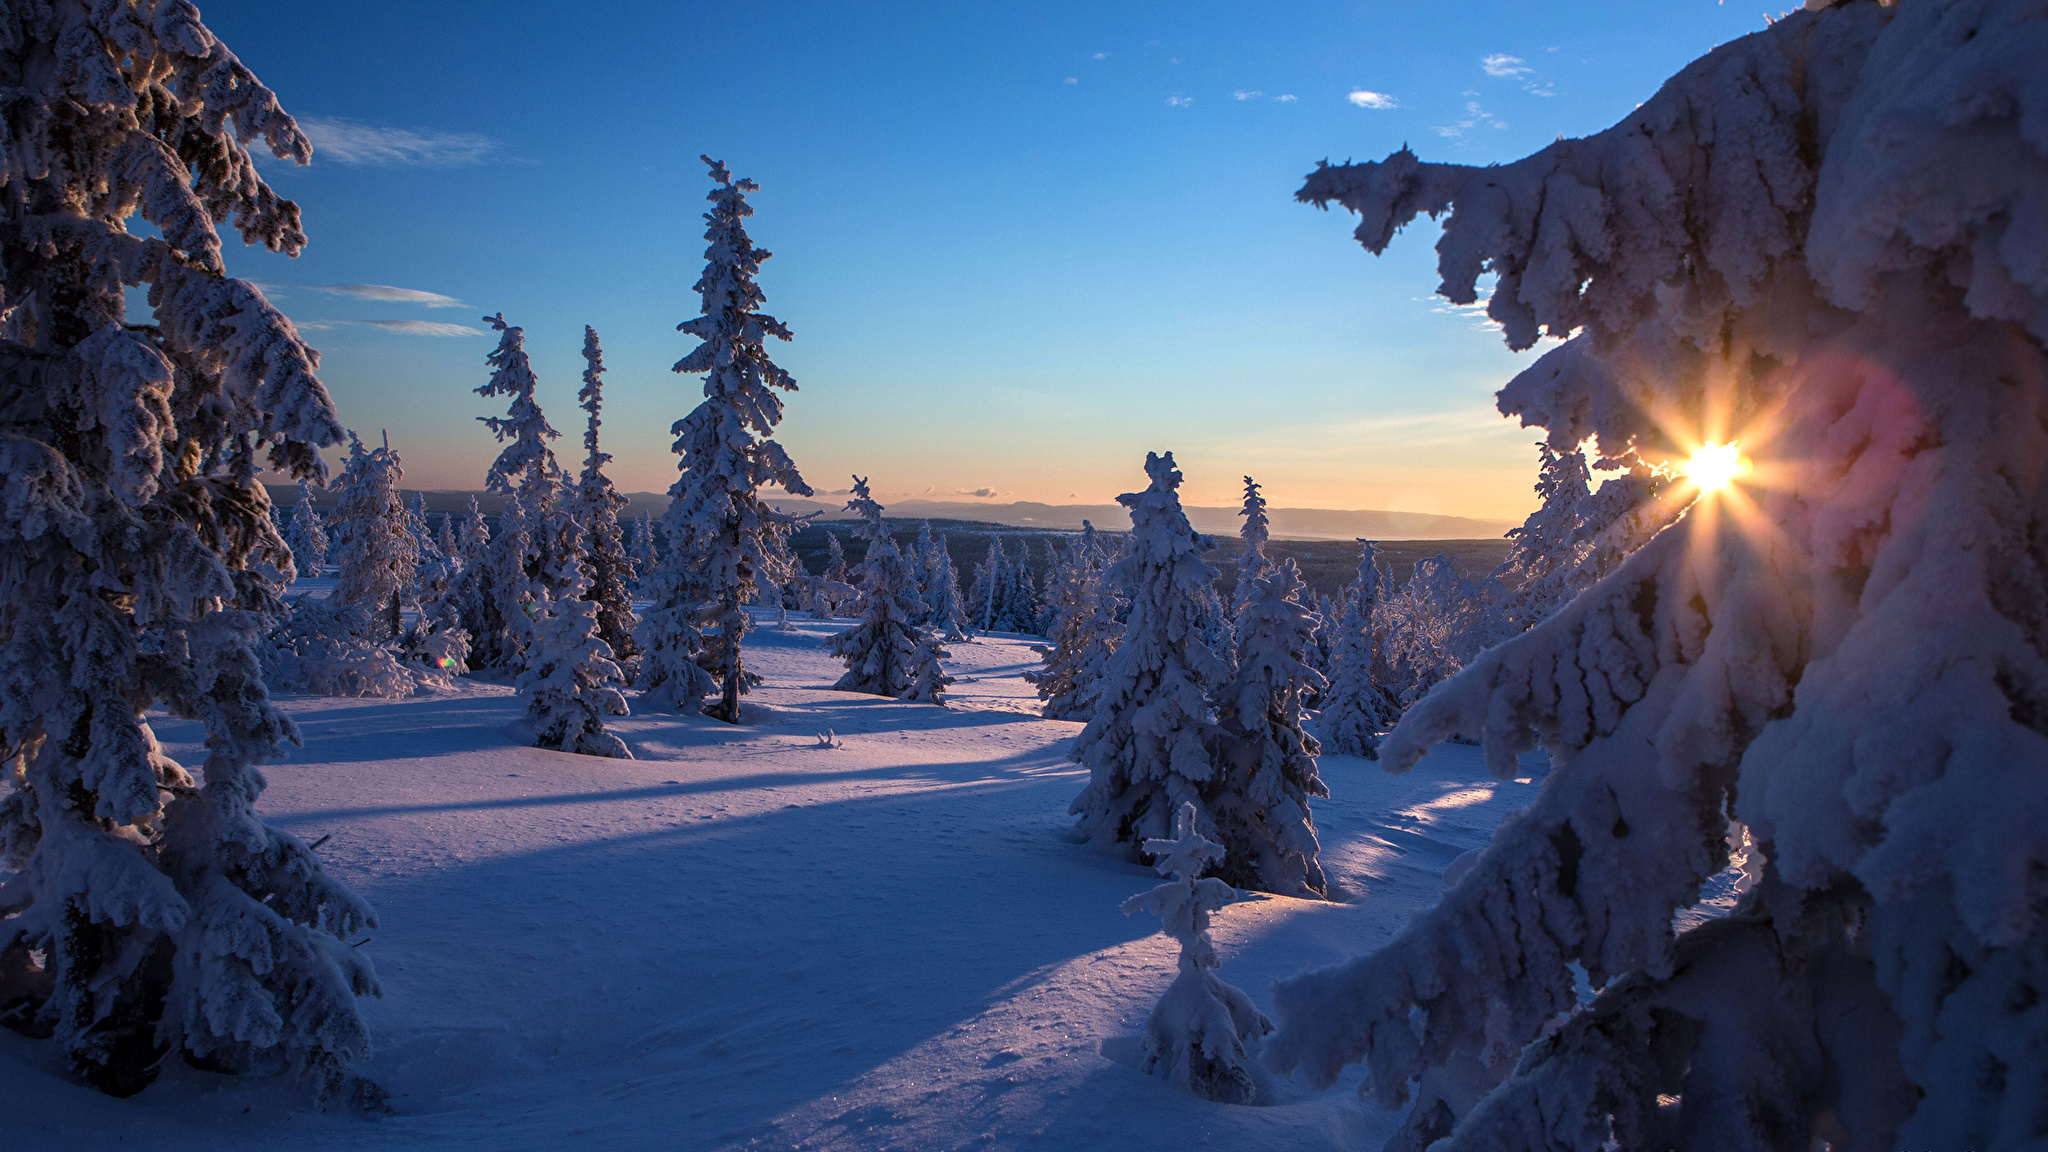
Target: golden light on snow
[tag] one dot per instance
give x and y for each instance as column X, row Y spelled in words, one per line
column 1716, row 466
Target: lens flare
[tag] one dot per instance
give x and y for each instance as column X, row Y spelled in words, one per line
column 1716, row 466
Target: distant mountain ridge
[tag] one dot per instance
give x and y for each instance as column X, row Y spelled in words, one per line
column 1287, row 523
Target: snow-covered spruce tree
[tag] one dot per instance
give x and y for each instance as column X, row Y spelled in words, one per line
column 881, row 649
column 515, row 592
column 1545, row 549
column 142, row 915
column 571, row 682
column 1267, row 761
column 1147, row 747
column 946, row 607
column 306, row 534
column 1823, row 241
column 526, row 465
column 1082, row 637
column 435, row 571
column 595, row 510
column 375, row 549
column 1255, row 532
column 928, row 679
column 1438, row 623
column 472, row 600
column 984, row 592
column 719, row 532
column 1020, row 593
column 646, row 557
column 1355, row 706
column 1196, row 1033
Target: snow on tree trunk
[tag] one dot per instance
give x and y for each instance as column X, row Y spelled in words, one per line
column 1267, row 761
column 721, row 536
column 1356, row 707
column 143, row 917
column 1195, row 1035
column 1146, row 747
column 595, row 509
column 881, row 649
column 1824, row 242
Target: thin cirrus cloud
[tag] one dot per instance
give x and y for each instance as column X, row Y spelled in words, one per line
column 1502, row 64
column 390, row 295
column 352, row 142
column 1180, row 101
column 408, row 327
column 1474, row 117
column 1377, row 101
column 984, row 493
column 1246, row 94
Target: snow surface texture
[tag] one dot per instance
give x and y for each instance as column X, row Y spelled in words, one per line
column 742, row 940
column 147, row 914
column 1195, row 1035
column 1828, row 240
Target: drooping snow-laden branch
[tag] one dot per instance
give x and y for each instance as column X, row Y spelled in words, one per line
column 1828, row 241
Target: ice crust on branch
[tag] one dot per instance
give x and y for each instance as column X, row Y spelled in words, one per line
column 1829, row 241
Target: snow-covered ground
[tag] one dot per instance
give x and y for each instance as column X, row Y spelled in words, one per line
column 744, row 939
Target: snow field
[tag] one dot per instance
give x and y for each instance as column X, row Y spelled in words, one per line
column 741, row 939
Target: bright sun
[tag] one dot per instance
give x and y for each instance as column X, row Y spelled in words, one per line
column 1715, row 466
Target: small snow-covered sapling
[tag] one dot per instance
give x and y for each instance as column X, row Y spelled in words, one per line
column 1195, row 1035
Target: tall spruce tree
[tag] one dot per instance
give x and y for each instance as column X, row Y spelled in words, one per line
column 526, row 466
column 1147, row 748
column 607, row 567
column 144, row 915
column 719, row 531
column 306, row 533
column 1255, row 532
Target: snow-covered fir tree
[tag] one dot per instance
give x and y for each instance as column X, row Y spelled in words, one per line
column 1438, row 623
column 306, row 534
column 472, row 600
column 1355, row 706
column 1547, row 546
column 571, row 682
column 720, row 533
column 984, row 593
column 1147, row 746
column 945, row 607
column 1195, row 1035
column 514, row 590
column 145, row 917
column 881, row 649
column 526, row 465
column 646, row 557
column 1267, row 762
column 1822, row 241
column 376, row 549
column 1255, row 532
column 435, row 570
column 928, row 678
column 1082, row 635
column 607, row 566
column 1020, row 608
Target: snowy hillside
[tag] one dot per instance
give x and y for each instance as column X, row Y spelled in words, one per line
column 744, row 939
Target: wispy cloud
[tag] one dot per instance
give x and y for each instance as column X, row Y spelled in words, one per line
column 1287, row 99
column 1099, row 56
column 1502, row 64
column 423, row 327
column 1474, row 117
column 387, row 293
column 350, row 142
column 1246, row 94
column 1377, row 101
column 1178, row 101
column 1071, row 80
column 984, row 493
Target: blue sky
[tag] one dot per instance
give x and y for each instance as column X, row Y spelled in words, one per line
column 1019, row 245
